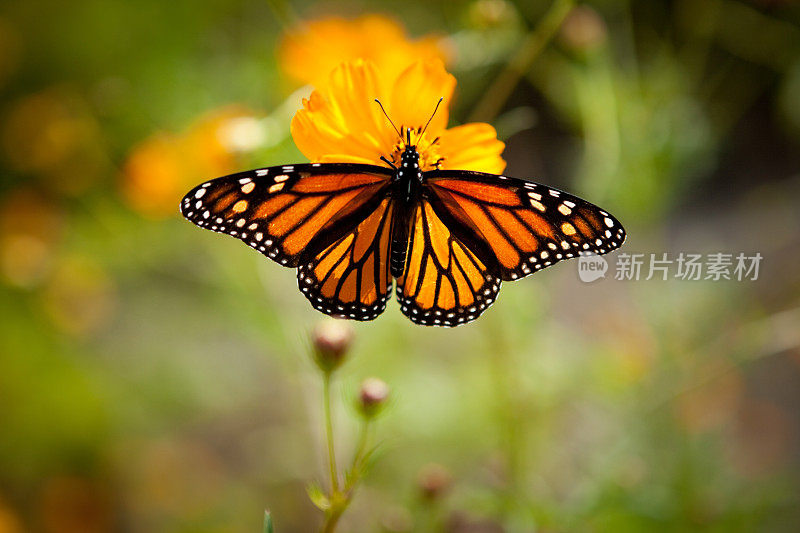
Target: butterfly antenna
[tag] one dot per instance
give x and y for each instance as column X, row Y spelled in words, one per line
column 390, row 120
column 432, row 115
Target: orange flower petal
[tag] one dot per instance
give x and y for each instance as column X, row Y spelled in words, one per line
column 472, row 147
column 344, row 119
column 416, row 92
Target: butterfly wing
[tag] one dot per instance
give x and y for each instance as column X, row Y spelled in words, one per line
column 350, row 277
column 444, row 283
column 288, row 213
column 520, row 225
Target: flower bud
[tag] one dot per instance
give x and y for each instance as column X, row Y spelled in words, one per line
column 491, row 14
column 584, row 30
column 433, row 481
column 331, row 339
column 372, row 396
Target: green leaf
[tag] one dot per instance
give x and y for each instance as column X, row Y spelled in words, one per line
column 351, row 476
column 268, row 523
column 318, row 497
column 369, row 458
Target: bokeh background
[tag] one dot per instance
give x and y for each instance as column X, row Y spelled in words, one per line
column 155, row 377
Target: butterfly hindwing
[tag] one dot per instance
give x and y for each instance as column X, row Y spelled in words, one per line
column 444, row 282
column 350, row 277
column 283, row 211
column 527, row 226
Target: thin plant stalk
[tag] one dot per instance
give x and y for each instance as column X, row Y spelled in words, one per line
column 326, row 391
column 340, row 500
column 361, row 449
column 332, row 519
column 497, row 94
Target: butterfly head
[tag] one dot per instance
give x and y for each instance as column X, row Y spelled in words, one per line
column 415, row 151
column 410, row 156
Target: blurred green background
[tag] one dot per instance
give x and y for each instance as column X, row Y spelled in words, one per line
column 154, row 377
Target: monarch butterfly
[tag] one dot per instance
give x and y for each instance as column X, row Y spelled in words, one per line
column 448, row 237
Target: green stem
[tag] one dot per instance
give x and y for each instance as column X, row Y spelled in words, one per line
column 333, row 519
column 358, row 457
column 497, row 94
column 326, row 391
column 341, row 500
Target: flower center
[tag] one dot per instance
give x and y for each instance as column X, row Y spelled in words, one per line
column 427, row 148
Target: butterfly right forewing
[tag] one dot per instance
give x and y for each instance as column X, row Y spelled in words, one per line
column 522, row 225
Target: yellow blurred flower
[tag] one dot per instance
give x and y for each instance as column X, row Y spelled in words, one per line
column 164, row 166
column 53, row 135
column 309, row 52
column 30, row 230
column 9, row 522
column 342, row 122
column 72, row 504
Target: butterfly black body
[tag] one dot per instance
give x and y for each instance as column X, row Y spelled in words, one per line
column 406, row 188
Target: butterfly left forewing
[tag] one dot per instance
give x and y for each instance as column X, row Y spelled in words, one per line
column 280, row 211
column 525, row 226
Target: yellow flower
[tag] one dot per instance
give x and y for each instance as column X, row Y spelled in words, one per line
column 154, row 175
column 53, row 135
column 309, row 52
column 160, row 169
column 31, row 227
column 342, row 122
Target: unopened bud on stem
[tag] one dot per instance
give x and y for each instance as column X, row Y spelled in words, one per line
column 331, row 339
column 372, row 396
column 583, row 30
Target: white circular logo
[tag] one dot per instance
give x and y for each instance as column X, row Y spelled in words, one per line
column 591, row 268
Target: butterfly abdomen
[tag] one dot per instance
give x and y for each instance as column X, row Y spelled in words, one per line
column 406, row 190
column 400, row 228
column 397, row 255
